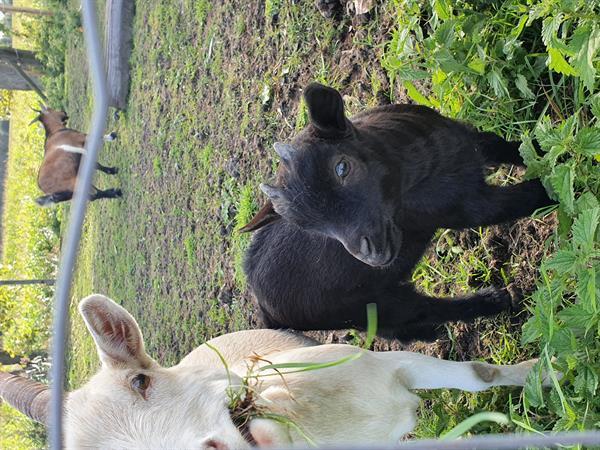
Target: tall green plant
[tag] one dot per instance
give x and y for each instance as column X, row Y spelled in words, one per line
column 565, row 319
column 529, row 69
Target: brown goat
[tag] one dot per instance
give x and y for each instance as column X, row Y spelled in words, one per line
column 62, row 155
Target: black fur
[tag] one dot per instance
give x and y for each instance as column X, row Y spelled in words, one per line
column 108, row 193
column 57, row 197
column 349, row 240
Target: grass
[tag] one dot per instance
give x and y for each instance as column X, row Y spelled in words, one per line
column 213, row 85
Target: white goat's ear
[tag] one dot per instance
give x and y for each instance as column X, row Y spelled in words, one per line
column 268, row 433
column 116, row 333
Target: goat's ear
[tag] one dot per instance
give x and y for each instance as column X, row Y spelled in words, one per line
column 265, row 216
column 268, row 433
column 116, row 333
column 326, row 110
column 276, row 197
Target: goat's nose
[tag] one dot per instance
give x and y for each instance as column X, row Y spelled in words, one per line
column 365, row 246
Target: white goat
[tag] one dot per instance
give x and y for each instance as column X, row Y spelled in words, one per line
column 132, row 402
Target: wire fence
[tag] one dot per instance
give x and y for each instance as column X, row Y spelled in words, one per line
column 68, row 260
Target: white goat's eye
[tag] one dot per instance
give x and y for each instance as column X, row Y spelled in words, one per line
column 140, row 384
column 342, row 168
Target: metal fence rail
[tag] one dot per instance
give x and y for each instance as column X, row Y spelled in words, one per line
column 493, row 442
column 68, row 259
column 78, row 208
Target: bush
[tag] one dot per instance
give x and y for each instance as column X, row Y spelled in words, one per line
column 29, row 240
column 19, row 432
column 49, row 35
column 528, row 70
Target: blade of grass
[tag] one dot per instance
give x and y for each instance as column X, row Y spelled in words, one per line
column 469, row 423
column 305, row 367
column 371, row 324
column 214, row 349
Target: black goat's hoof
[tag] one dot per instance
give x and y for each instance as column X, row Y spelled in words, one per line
column 329, row 8
column 516, row 297
column 112, row 136
column 114, row 193
column 496, row 300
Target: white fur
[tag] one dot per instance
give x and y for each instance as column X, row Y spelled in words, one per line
column 71, row 149
column 366, row 400
column 81, row 150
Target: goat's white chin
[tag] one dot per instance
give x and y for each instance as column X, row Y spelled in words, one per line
column 379, row 262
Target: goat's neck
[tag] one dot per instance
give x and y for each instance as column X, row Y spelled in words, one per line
column 52, row 127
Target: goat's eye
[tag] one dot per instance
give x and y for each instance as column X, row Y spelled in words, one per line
column 140, row 384
column 342, row 169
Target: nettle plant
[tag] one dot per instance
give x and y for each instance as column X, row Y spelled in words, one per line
column 565, row 316
column 492, row 63
column 529, row 70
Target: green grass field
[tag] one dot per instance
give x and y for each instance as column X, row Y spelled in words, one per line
column 214, row 85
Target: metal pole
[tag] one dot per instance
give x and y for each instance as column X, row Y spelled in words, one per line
column 25, row 282
column 508, row 441
column 79, row 204
column 8, row 9
column 30, row 82
column 488, row 442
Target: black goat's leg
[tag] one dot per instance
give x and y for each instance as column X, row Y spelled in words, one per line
column 497, row 204
column 496, row 150
column 413, row 313
column 401, row 311
column 409, row 332
column 108, row 170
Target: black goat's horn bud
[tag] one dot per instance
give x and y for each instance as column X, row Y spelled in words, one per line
column 283, row 150
column 271, row 191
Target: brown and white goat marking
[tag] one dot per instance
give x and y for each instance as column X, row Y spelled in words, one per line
column 133, row 402
column 62, row 156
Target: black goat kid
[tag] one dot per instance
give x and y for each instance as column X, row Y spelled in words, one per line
column 360, row 201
